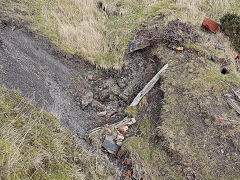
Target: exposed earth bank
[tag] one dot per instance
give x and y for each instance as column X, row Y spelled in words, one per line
column 66, row 85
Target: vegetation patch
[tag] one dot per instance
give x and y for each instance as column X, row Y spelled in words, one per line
column 96, row 30
column 34, row 145
column 231, row 27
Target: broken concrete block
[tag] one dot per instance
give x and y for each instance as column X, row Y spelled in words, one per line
column 110, row 145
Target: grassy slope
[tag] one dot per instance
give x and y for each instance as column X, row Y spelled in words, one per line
column 80, row 27
column 183, row 131
column 33, row 145
column 196, row 120
column 101, row 35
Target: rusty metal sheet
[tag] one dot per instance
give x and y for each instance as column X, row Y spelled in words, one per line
column 210, row 25
column 138, row 45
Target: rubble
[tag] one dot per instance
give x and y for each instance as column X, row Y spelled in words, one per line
column 121, row 83
column 116, row 90
column 110, row 145
column 120, row 137
column 210, row 25
column 87, row 99
column 102, row 114
column 179, row 48
column 123, row 129
column 178, row 32
column 128, row 162
column 90, row 77
column 104, row 95
column 97, row 105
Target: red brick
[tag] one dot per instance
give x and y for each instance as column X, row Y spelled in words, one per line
column 210, row 25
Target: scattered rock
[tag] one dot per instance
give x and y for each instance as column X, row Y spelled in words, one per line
column 123, row 129
column 109, row 83
column 119, row 143
column 104, row 95
column 90, row 77
column 87, row 99
column 120, row 137
column 128, row 161
column 102, row 114
column 116, row 90
column 123, row 97
column 129, row 172
column 190, row 70
column 111, row 112
column 97, row 105
column 110, row 145
column 121, row 83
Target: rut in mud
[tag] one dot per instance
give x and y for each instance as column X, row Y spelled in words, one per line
column 59, row 82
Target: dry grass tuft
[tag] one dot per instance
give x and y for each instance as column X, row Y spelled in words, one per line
column 96, row 30
column 34, row 145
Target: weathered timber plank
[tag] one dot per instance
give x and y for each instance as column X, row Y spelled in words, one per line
column 233, row 105
column 148, row 87
column 124, row 122
column 237, row 94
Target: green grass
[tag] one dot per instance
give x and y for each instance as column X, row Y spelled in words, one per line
column 34, row 145
column 79, row 27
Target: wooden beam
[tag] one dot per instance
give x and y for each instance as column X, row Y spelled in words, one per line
column 233, row 105
column 148, row 87
column 124, row 122
column 237, row 94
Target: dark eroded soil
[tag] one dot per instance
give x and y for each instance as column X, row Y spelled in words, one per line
column 58, row 81
column 35, row 67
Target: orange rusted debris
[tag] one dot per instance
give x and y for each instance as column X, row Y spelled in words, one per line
column 129, row 172
column 123, row 129
column 210, row 25
column 128, row 161
column 237, row 58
